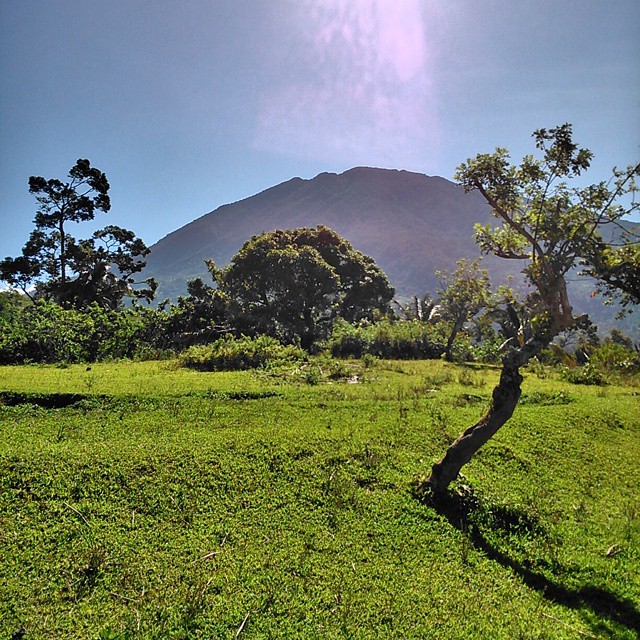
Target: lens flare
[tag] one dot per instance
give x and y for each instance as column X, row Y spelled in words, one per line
column 363, row 91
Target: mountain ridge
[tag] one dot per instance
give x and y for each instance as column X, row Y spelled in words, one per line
column 410, row 223
column 382, row 212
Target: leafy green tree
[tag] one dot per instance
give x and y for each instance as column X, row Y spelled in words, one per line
column 281, row 290
column 617, row 270
column 11, row 303
column 56, row 266
column 292, row 284
column 364, row 290
column 104, row 267
column 44, row 331
column 550, row 226
column 462, row 295
column 198, row 318
column 61, row 203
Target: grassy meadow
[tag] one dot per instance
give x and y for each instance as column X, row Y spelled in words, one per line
column 143, row 500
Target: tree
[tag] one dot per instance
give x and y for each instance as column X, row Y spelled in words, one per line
column 462, row 295
column 364, row 289
column 551, row 226
column 617, row 269
column 11, row 304
column 198, row 318
column 292, row 284
column 56, row 266
column 418, row 308
column 104, row 266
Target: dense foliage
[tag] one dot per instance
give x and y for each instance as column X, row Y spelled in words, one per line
column 462, row 295
column 304, row 287
column 401, row 340
column 237, row 354
column 46, row 332
column 293, row 284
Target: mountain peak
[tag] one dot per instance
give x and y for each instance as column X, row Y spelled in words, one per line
column 410, row 223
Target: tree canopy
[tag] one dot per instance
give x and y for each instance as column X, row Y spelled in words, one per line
column 462, row 295
column 56, row 266
column 294, row 283
column 617, row 270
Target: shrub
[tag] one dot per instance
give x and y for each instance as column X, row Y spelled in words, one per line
column 401, row 340
column 233, row 354
column 588, row 375
column 487, row 350
column 609, row 360
column 45, row 332
column 614, row 357
column 463, row 349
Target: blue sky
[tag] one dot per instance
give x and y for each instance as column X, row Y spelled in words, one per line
column 189, row 105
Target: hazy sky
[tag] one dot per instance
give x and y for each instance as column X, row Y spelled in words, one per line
column 190, row 104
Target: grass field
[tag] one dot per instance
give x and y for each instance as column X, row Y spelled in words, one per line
column 155, row 502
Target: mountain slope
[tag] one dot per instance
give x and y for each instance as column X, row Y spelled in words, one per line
column 410, row 223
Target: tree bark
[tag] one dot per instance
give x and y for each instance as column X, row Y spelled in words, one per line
column 448, row 352
column 504, row 401
column 63, row 257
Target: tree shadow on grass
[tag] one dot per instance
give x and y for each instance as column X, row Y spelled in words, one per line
column 470, row 514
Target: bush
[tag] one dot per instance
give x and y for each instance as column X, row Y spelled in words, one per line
column 401, row 340
column 233, row 354
column 588, row 375
column 614, row 357
column 607, row 361
column 45, row 332
column 487, row 351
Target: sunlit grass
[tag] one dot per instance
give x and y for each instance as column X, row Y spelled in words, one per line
column 174, row 504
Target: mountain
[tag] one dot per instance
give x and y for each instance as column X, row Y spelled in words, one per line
column 410, row 223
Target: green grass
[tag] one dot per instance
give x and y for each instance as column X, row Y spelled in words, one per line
column 167, row 503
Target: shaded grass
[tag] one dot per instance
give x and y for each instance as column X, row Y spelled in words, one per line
column 173, row 504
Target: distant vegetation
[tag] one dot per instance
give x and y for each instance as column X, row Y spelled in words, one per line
column 309, row 287
column 293, row 284
column 80, row 300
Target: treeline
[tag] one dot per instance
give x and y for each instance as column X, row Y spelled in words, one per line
column 303, row 288
column 45, row 332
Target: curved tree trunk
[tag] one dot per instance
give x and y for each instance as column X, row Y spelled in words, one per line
column 504, row 401
column 448, row 352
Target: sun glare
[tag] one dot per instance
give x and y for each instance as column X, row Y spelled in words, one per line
column 368, row 87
